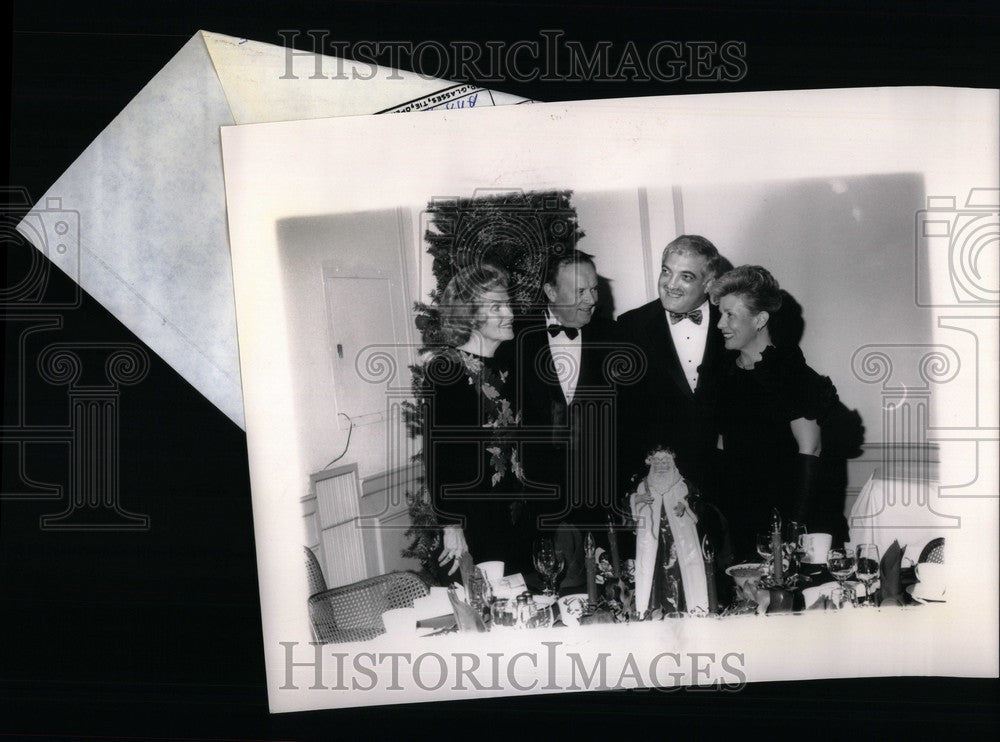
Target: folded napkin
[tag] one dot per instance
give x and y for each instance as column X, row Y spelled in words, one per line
column 892, row 591
column 467, row 617
column 434, row 604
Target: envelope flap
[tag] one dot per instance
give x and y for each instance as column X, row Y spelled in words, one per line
column 267, row 82
column 152, row 240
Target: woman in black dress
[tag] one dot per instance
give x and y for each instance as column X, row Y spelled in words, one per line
column 770, row 406
column 472, row 467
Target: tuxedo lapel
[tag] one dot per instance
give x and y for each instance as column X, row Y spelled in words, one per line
column 663, row 350
column 591, row 371
column 555, row 388
column 541, row 365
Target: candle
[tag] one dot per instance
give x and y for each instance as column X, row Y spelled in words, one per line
column 708, row 553
column 590, row 558
column 616, row 562
column 777, row 567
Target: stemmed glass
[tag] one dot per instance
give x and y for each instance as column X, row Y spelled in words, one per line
column 549, row 562
column 867, row 568
column 841, row 564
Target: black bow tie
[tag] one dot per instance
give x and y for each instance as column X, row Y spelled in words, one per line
column 694, row 315
column 571, row 332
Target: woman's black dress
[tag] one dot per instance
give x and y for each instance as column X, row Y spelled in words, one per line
column 763, row 467
column 468, row 450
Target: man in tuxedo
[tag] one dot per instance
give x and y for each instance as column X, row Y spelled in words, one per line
column 670, row 403
column 566, row 402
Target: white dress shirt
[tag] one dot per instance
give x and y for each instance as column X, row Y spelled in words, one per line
column 566, row 355
column 689, row 341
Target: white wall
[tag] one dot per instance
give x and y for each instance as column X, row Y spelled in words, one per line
column 356, row 244
column 844, row 249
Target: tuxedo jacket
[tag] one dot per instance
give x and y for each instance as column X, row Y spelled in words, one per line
column 568, row 446
column 660, row 406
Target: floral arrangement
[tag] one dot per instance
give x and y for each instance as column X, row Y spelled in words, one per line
column 616, row 593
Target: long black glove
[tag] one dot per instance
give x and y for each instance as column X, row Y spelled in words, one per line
column 805, row 490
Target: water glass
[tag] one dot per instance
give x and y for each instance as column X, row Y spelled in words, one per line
column 867, row 568
column 840, row 563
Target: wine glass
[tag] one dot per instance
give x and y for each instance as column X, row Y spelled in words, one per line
column 867, row 568
column 841, row 564
column 547, row 563
column 560, row 569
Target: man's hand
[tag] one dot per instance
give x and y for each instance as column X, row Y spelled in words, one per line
column 454, row 547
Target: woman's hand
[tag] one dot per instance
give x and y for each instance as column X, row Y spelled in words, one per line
column 454, row 547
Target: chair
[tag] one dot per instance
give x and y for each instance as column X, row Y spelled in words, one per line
column 353, row 612
column 933, row 552
column 317, row 583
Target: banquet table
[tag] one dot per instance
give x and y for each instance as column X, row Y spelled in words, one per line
column 810, row 576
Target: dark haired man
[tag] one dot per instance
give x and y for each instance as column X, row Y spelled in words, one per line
column 678, row 336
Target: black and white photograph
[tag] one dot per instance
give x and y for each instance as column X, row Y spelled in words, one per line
column 586, row 408
column 418, row 367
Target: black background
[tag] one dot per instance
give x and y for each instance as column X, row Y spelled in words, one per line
column 157, row 633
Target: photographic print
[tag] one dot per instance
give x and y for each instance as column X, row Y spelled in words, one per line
column 641, row 393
